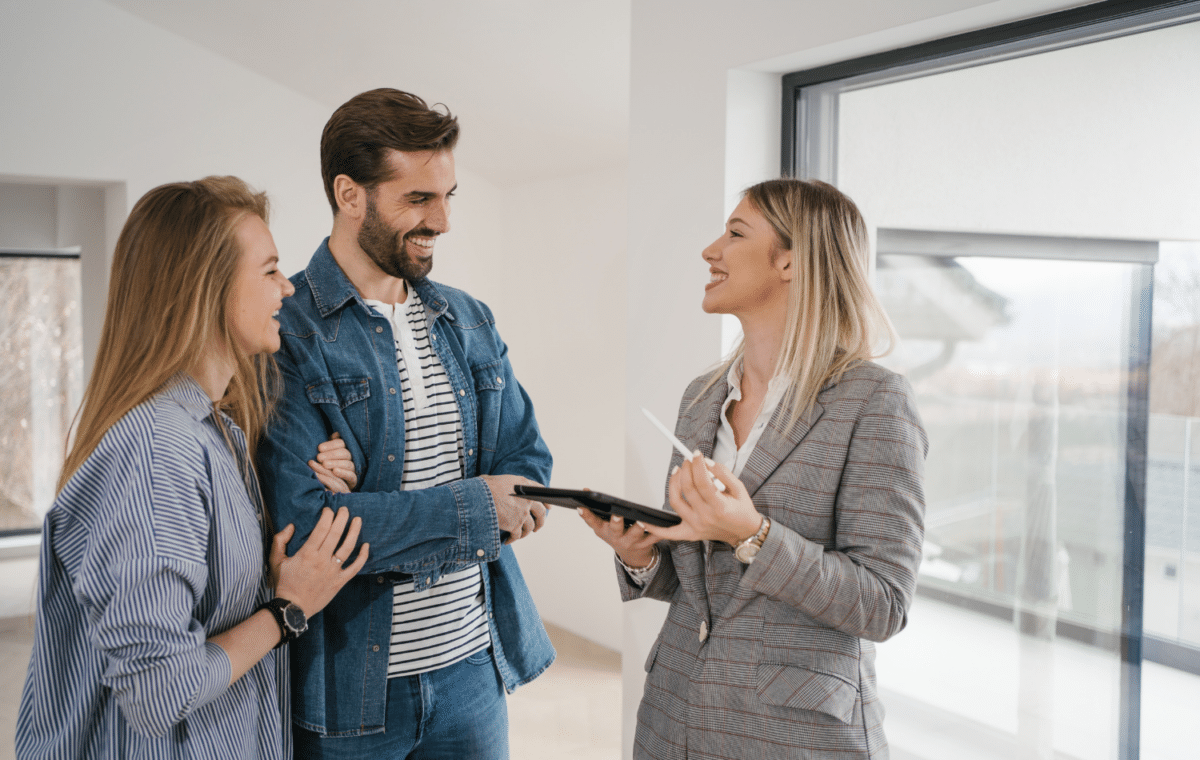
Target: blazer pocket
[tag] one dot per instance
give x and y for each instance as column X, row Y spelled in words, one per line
column 650, row 658
column 794, row 686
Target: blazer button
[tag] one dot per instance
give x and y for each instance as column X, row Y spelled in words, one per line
column 703, row 631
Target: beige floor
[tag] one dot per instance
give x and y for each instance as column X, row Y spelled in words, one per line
column 572, row 711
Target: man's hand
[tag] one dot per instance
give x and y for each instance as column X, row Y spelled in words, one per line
column 518, row 517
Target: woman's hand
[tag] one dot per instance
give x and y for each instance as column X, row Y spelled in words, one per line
column 633, row 545
column 317, row 571
column 334, row 466
column 707, row 513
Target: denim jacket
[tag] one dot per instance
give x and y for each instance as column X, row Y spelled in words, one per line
column 338, row 362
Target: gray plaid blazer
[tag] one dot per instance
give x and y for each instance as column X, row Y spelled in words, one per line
column 775, row 660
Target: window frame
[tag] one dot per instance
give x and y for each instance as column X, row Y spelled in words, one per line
column 24, row 542
column 809, row 150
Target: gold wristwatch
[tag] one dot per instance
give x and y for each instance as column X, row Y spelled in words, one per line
column 746, row 550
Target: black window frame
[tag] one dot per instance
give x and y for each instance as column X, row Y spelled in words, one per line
column 1115, row 18
column 33, row 253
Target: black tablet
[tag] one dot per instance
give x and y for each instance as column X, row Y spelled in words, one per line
column 600, row 503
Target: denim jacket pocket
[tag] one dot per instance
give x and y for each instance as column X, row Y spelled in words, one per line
column 489, row 394
column 341, row 397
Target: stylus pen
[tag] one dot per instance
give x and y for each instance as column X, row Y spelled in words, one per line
column 678, row 444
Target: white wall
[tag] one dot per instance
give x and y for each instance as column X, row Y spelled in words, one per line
column 93, row 95
column 686, row 107
column 93, row 100
column 563, row 316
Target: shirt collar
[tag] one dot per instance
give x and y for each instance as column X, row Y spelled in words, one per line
column 733, row 379
column 183, row 389
column 332, row 289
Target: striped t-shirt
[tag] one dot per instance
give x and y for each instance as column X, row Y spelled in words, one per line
column 447, row 621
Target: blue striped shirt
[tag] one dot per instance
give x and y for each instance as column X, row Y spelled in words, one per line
column 153, row 546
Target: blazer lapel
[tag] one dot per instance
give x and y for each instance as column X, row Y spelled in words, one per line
column 777, row 443
column 697, row 429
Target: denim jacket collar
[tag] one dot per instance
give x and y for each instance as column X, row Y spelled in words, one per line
column 332, row 289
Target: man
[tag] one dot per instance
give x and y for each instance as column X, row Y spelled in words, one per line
column 414, row 656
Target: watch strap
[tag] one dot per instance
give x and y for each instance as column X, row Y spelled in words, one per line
column 276, row 607
column 745, row 550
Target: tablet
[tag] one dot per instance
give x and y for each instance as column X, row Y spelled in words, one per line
column 600, row 503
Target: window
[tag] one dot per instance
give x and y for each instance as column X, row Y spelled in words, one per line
column 41, row 379
column 1035, row 212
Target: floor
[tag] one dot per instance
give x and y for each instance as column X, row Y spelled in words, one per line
column 950, row 683
column 961, row 686
column 572, row 711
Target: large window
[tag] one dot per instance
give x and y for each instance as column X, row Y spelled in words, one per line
column 1034, row 198
column 41, row 378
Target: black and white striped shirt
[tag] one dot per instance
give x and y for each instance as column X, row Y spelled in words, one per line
column 447, row 621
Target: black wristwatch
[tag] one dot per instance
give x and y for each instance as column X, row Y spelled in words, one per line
column 292, row 620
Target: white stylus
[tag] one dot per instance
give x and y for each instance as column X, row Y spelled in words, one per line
column 679, row 445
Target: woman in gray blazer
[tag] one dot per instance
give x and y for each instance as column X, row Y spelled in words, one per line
column 779, row 584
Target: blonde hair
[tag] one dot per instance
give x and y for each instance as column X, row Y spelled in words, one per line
column 172, row 274
column 834, row 319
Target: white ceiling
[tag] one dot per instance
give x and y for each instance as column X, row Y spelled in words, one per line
column 541, row 87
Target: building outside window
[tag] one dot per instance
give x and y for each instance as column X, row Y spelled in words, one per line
column 1034, row 198
column 41, row 379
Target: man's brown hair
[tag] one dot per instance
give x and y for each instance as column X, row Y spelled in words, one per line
column 362, row 130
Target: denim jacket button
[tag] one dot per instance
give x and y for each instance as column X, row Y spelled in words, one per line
column 375, row 648
column 470, row 452
column 379, row 579
column 462, row 392
column 392, row 391
column 391, row 457
column 479, row 552
column 499, row 381
column 378, row 329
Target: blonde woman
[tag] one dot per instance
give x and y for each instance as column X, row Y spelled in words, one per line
column 161, row 598
column 779, row 585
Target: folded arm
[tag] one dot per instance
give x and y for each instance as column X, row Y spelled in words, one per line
column 409, row 531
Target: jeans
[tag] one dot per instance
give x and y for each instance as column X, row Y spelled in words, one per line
column 457, row 712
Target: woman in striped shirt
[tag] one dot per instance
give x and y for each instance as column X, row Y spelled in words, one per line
column 162, row 602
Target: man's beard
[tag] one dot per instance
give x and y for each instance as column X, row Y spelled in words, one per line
column 384, row 246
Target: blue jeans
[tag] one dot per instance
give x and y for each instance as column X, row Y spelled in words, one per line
column 457, row 712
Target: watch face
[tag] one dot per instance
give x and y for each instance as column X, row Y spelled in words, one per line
column 294, row 617
column 745, row 552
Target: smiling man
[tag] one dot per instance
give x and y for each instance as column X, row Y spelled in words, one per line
column 413, row 658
